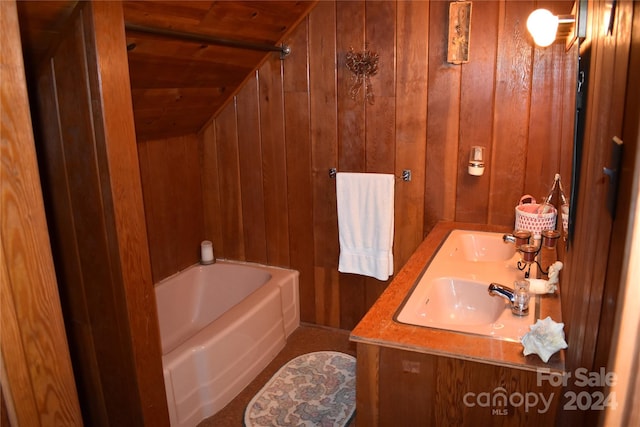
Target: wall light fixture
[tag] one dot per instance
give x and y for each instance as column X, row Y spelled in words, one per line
column 543, row 26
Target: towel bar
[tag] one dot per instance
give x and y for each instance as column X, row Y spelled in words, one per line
column 406, row 174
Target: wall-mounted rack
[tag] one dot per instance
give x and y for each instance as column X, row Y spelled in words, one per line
column 406, row 174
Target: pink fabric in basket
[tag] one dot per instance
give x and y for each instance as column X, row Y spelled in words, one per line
column 531, row 208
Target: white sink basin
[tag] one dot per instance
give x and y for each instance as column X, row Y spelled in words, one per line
column 453, row 291
column 453, row 301
column 486, row 247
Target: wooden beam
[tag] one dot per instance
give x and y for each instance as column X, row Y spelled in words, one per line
column 37, row 378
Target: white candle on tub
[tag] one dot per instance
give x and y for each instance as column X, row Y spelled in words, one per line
column 206, row 252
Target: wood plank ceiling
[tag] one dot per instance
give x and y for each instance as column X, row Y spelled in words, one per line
column 177, row 85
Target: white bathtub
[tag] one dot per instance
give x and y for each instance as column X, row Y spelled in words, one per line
column 220, row 325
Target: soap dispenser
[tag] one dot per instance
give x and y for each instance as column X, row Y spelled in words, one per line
column 476, row 161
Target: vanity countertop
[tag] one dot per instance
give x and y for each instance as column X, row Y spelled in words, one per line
column 378, row 327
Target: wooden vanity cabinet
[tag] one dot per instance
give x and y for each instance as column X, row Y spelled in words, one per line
column 405, row 388
column 417, row 376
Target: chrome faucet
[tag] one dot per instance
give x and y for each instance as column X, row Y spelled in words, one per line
column 518, row 307
column 508, row 238
column 503, row 291
column 519, row 237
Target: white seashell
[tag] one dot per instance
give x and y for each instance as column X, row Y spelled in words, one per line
column 545, row 338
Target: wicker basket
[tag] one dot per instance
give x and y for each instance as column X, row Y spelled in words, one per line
column 528, row 218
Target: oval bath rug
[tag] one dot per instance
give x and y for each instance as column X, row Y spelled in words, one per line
column 315, row 389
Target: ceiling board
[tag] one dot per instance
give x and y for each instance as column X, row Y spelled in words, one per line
column 177, row 85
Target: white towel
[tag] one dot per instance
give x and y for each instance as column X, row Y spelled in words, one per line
column 365, row 223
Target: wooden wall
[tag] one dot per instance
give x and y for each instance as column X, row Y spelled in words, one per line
column 36, row 384
column 596, row 259
column 173, row 202
column 91, row 181
column 266, row 194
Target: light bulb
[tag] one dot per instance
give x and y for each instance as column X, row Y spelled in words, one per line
column 542, row 26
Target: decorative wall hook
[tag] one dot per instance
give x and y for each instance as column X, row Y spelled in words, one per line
column 362, row 65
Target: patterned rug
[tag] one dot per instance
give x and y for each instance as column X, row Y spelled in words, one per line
column 315, row 389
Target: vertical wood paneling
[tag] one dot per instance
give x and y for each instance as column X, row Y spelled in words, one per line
column 543, row 160
column 593, row 222
column 510, row 122
column 324, row 155
column 226, row 136
column 350, row 33
column 296, row 66
column 591, row 215
column 172, row 185
column 250, row 158
column 570, row 67
column 406, row 388
column 351, row 28
column 628, row 45
column 299, row 168
column 443, row 109
column 368, row 384
column 621, row 319
column 477, row 90
column 99, row 269
column 152, row 169
column 118, row 157
column 274, row 162
column 60, row 218
column 300, row 196
column 449, row 389
column 37, row 376
column 411, row 126
column 380, row 27
column 426, row 116
column 209, row 165
column 597, row 238
column 380, row 126
column 413, row 371
column 105, row 280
